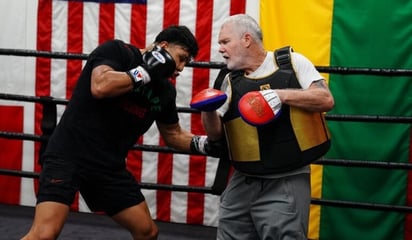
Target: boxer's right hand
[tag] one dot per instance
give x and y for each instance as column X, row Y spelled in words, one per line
column 157, row 65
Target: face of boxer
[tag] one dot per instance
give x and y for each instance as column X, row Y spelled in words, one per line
column 179, row 53
column 232, row 46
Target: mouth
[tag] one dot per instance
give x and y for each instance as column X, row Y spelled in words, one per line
column 225, row 58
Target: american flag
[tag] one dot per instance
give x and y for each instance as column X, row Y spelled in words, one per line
column 76, row 26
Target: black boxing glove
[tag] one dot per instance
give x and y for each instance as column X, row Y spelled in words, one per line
column 157, row 65
column 201, row 144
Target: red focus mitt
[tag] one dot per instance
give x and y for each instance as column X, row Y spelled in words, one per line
column 208, row 99
column 260, row 107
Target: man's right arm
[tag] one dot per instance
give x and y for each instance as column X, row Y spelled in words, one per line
column 212, row 121
column 106, row 82
column 213, row 125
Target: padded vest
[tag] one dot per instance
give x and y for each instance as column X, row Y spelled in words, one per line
column 296, row 138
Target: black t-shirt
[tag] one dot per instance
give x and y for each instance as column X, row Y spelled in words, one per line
column 98, row 133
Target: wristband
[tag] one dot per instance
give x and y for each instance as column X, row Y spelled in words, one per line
column 138, row 76
column 198, row 144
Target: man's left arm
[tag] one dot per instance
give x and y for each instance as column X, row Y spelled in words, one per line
column 315, row 94
column 175, row 136
column 316, row 98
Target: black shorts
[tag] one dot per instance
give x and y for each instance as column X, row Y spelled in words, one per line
column 108, row 192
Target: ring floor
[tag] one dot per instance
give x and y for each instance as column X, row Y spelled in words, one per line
column 16, row 220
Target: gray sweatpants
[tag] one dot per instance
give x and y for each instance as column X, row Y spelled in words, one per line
column 259, row 208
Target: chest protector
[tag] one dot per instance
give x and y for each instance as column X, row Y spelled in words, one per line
column 296, row 138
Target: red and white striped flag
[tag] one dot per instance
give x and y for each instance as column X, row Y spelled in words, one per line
column 79, row 26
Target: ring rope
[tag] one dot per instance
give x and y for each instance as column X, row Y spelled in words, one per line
column 332, row 117
column 368, row 118
column 46, row 54
column 165, row 149
column 364, row 163
column 361, row 205
column 215, row 65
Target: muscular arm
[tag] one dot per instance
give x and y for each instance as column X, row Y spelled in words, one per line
column 213, row 126
column 106, row 82
column 316, row 98
column 175, row 136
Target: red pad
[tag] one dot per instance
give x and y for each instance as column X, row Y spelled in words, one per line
column 254, row 109
column 208, row 99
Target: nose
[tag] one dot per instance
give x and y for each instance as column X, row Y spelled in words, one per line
column 221, row 49
column 180, row 66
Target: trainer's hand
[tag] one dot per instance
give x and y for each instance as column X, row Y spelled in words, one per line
column 208, row 100
column 157, row 65
column 201, row 144
column 260, row 107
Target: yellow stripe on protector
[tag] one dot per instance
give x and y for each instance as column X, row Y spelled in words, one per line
column 309, row 128
column 243, row 140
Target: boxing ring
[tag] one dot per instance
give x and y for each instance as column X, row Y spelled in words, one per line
column 49, row 121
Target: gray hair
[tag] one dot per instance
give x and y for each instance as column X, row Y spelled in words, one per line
column 245, row 24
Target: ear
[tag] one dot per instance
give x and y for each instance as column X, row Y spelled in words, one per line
column 247, row 39
column 163, row 44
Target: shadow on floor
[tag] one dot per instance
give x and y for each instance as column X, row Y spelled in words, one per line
column 16, row 220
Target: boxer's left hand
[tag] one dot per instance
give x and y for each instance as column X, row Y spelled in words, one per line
column 201, row 144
